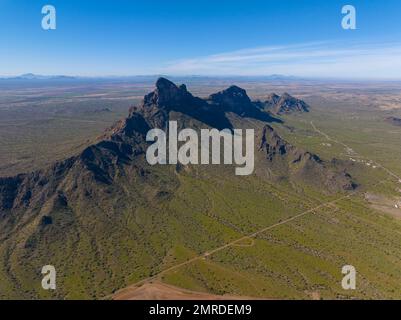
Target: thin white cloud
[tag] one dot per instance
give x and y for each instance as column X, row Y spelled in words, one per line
column 319, row 59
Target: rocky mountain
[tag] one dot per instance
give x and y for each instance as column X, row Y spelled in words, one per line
column 283, row 104
column 122, row 143
column 234, row 99
column 105, row 206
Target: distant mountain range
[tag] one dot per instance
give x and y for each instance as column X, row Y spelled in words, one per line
column 33, row 77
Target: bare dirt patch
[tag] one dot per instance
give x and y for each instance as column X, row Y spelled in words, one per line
column 162, row 291
column 390, row 206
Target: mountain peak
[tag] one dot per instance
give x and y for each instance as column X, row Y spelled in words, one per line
column 232, row 92
column 167, row 94
column 166, row 90
column 235, row 89
column 234, row 99
column 285, row 103
column 167, row 97
column 163, row 83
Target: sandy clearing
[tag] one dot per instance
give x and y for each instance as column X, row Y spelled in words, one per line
column 384, row 204
column 161, row 291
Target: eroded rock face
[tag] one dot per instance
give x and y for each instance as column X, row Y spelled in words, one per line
column 9, row 191
column 168, row 96
column 274, row 144
column 291, row 161
column 284, row 104
column 271, row 100
column 234, row 99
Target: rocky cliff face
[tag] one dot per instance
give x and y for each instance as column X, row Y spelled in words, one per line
column 284, row 105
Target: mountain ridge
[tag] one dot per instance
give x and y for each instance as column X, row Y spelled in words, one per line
column 126, row 139
column 284, row 104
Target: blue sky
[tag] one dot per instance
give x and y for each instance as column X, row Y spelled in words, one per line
column 292, row 37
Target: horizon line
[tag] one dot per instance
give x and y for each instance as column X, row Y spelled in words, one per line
column 37, row 76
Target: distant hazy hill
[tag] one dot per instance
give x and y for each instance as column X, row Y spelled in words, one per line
column 149, row 78
column 31, row 76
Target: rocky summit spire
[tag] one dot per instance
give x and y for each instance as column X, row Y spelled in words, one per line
column 284, row 104
column 234, row 99
column 166, row 89
column 167, row 94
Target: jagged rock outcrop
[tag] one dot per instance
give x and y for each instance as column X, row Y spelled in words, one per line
column 235, row 100
column 275, row 145
column 168, row 97
column 284, row 104
column 290, row 161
